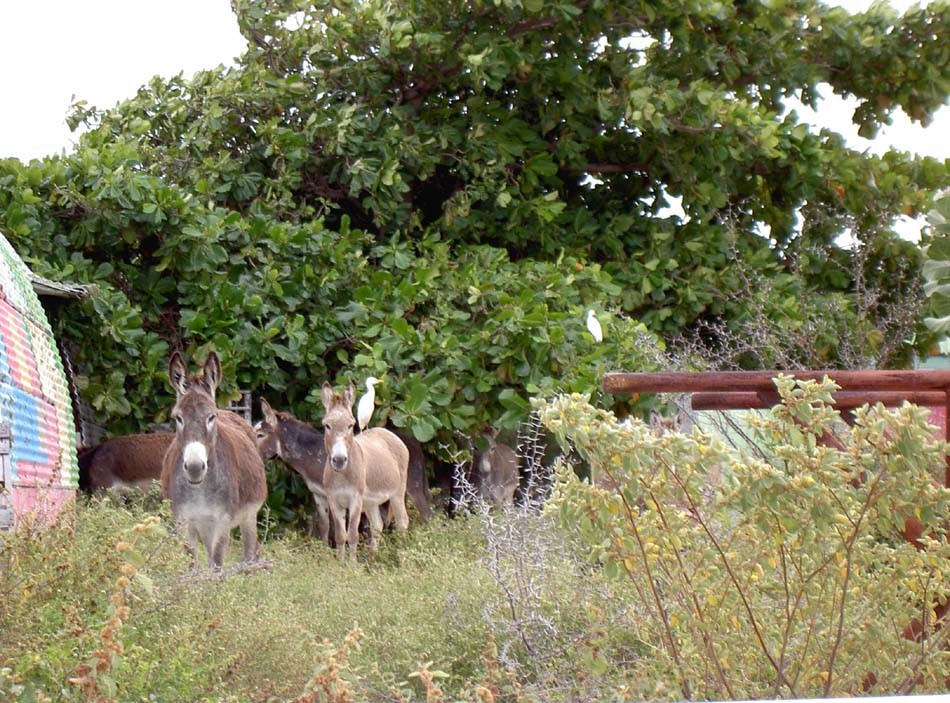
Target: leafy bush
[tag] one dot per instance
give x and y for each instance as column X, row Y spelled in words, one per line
column 936, row 268
column 766, row 574
column 462, row 335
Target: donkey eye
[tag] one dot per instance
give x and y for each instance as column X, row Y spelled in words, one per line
column 211, row 420
column 179, row 421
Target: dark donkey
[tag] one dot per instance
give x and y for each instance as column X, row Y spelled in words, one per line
column 362, row 472
column 126, row 462
column 300, row 446
column 212, row 473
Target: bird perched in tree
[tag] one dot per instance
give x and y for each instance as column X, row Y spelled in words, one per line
column 593, row 326
column 364, row 409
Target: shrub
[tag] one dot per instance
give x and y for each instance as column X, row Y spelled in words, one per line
column 767, row 575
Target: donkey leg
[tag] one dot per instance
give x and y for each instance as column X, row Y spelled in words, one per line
column 191, row 544
column 322, row 506
column 249, row 536
column 217, row 542
column 353, row 531
column 375, row 525
column 338, row 513
column 397, row 507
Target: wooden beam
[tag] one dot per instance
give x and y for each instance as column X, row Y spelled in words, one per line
column 691, row 382
column 739, row 400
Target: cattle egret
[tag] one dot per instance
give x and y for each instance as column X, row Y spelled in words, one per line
column 364, row 409
column 593, row 326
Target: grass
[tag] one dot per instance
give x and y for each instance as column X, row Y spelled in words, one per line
column 102, row 607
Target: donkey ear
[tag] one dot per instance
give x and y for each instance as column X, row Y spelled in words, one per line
column 177, row 373
column 269, row 417
column 212, row 372
column 349, row 394
column 327, row 395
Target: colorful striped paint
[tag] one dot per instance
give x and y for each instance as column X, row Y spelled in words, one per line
column 34, row 399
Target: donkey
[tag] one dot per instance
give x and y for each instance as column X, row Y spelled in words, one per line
column 126, row 462
column 498, row 476
column 212, row 472
column 300, row 446
column 361, row 473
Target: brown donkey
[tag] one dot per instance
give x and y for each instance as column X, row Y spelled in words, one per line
column 362, row 472
column 212, row 472
column 126, row 462
column 498, row 476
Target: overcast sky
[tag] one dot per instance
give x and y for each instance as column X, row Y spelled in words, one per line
column 102, row 51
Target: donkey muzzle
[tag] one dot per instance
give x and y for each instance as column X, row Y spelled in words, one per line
column 338, row 462
column 195, row 462
column 195, row 474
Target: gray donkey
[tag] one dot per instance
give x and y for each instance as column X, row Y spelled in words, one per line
column 212, row 472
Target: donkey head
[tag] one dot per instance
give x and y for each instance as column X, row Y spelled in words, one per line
column 195, row 413
column 338, row 422
column 267, row 432
column 485, row 458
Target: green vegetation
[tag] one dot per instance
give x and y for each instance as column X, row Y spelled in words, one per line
column 936, row 270
column 768, row 575
column 436, row 192
column 106, row 607
column 709, row 573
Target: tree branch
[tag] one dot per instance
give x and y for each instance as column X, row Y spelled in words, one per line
column 637, row 166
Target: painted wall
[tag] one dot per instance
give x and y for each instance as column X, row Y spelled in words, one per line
column 34, row 399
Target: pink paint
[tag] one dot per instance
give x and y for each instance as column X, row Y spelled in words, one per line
column 938, row 417
column 41, row 504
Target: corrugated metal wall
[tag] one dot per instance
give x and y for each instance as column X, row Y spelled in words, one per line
column 34, row 397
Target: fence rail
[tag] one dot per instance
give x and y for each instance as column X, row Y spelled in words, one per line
column 749, row 390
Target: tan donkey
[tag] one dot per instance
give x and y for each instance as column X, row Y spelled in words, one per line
column 362, row 472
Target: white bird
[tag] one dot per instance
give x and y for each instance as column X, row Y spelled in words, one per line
column 364, row 409
column 593, row 326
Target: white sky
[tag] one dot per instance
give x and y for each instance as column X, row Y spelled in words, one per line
column 102, row 51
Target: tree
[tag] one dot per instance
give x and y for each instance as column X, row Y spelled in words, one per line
column 438, row 190
column 937, row 267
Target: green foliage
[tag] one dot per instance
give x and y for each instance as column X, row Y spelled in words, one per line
column 936, row 270
column 436, row 191
column 462, row 337
column 766, row 573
